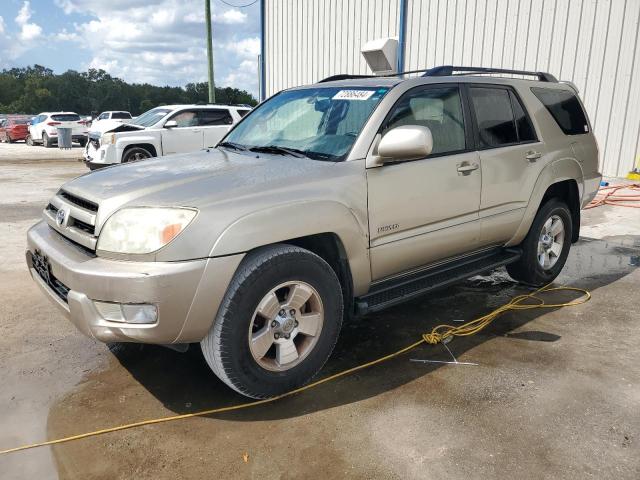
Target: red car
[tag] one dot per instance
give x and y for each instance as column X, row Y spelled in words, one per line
column 14, row 128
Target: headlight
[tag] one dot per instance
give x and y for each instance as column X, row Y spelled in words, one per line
column 108, row 139
column 143, row 229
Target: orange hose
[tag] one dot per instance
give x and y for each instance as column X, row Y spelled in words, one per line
column 610, row 196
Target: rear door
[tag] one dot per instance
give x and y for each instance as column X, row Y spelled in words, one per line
column 512, row 158
column 186, row 137
column 35, row 129
column 215, row 124
column 423, row 211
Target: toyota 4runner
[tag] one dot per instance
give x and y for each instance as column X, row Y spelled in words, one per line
column 342, row 197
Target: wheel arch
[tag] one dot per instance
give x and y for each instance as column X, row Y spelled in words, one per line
column 333, row 233
column 562, row 179
column 147, row 146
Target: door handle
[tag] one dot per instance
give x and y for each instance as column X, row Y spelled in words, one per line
column 532, row 156
column 466, row 169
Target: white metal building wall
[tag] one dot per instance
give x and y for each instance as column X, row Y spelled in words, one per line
column 307, row 40
column 593, row 43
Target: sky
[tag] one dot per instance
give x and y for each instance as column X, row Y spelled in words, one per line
column 162, row 42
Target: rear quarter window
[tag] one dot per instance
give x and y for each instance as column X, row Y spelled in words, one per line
column 565, row 109
column 120, row 115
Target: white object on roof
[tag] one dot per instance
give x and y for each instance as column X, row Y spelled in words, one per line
column 381, row 55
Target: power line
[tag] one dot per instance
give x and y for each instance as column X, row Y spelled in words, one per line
column 238, row 6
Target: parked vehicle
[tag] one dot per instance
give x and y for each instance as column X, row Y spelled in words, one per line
column 109, row 120
column 43, row 128
column 13, row 128
column 339, row 198
column 162, row 131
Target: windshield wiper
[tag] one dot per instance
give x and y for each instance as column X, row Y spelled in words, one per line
column 280, row 150
column 234, row 146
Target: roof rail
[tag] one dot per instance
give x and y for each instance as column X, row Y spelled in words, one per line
column 448, row 70
column 344, row 76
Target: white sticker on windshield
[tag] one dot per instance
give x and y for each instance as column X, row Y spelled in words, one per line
column 353, row 94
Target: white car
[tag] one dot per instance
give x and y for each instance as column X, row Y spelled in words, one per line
column 109, row 120
column 163, row 131
column 43, row 128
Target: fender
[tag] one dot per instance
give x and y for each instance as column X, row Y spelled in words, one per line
column 296, row 220
column 146, row 137
column 559, row 170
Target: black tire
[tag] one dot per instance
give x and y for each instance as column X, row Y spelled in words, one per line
column 82, row 142
column 29, row 140
column 528, row 268
column 8, row 139
column 135, row 154
column 46, row 141
column 226, row 346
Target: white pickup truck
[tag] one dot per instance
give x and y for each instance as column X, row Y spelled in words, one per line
column 162, row 131
column 109, row 120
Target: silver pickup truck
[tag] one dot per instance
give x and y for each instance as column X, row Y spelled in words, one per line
column 328, row 200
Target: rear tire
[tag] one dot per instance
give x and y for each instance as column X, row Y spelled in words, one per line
column 546, row 246
column 29, row 140
column 46, row 141
column 82, row 142
column 8, row 139
column 257, row 305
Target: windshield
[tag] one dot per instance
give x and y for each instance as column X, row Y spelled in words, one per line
column 150, row 117
column 321, row 123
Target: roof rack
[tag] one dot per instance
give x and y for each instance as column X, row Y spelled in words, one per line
column 448, row 70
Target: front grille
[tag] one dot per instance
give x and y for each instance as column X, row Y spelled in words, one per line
column 85, row 227
column 74, row 218
column 80, row 202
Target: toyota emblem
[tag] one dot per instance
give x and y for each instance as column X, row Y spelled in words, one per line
column 60, row 217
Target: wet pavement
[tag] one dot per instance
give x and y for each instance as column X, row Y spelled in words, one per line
column 555, row 393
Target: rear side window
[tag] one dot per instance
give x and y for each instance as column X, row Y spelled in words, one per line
column 494, row 115
column 66, row 117
column 120, row 115
column 215, row 117
column 242, row 113
column 523, row 124
column 565, row 109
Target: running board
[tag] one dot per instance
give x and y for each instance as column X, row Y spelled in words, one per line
column 391, row 292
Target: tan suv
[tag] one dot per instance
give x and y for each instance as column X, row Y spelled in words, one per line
column 338, row 198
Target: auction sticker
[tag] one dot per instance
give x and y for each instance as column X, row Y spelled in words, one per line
column 353, row 95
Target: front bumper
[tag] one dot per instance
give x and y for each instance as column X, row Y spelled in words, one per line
column 187, row 294
column 100, row 157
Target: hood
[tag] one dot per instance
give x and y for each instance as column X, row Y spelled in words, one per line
column 200, row 180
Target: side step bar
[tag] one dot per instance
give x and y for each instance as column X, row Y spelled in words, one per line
column 394, row 291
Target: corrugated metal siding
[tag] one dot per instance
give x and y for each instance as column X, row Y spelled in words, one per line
column 307, row 40
column 593, row 43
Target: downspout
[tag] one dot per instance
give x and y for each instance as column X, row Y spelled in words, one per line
column 403, row 34
column 262, row 51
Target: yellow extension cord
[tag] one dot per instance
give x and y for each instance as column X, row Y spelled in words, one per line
column 438, row 334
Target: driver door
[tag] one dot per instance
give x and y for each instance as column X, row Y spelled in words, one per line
column 187, row 136
column 423, row 211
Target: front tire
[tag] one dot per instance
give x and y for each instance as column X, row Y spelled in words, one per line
column 29, row 141
column 136, row 154
column 278, row 322
column 546, row 246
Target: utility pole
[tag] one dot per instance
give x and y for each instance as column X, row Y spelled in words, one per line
column 212, row 85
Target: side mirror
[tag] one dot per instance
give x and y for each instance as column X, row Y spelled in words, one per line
column 171, row 124
column 409, row 142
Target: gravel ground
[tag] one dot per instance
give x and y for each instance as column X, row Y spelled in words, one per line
column 555, row 393
column 20, row 152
